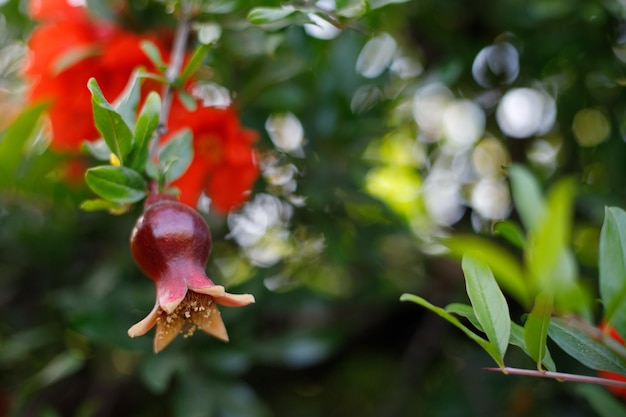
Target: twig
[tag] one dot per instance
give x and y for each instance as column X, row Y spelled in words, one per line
column 173, row 71
column 560, row 376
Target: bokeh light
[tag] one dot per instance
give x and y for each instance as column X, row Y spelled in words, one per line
column 590, row 127
column 376, row 56
column 463, row 123
column 525, row 112
column 496, row 64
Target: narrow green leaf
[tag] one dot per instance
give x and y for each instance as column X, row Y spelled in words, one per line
column 14, row 140
column 117, row 184
column 605, row 404
column 189, row 101
column 511, row 232
column 506, row 267
column 550, row 237
column 127, row 102
column 527, row 196
column 100, row 204
column 536, row 328
column 488, row 303
column 153, row 53
column 517, row 339
column 263, row 15
column 466, row 311
column 583, row 348
column 98, row 149
column 195, row 61
column 110, row 123
column 517, row 331
column 375, row 4
column 352, row 9
column 612, row 268
column 73, row 56
column 147, row 122
column 487, row 347
column 59, row 367
column 176, row 155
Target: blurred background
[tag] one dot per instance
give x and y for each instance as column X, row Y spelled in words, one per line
column 377, row 139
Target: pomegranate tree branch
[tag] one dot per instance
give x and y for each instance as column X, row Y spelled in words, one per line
column 173, row 71
column 560, row 376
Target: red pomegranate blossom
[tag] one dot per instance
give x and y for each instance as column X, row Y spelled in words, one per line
column 171, row 243
column 68, row 47
column 620, row 392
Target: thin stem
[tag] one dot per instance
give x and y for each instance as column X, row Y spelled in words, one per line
column 173, row 71
column 560, row 376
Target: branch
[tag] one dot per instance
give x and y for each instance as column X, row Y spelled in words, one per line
column 560, row 376
column 173, row 71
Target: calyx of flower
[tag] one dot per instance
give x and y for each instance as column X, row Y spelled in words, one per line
column 171, row 243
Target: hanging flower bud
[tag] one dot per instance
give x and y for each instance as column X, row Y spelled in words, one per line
column 171, row 243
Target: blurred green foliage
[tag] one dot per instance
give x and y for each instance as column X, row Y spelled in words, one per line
column 352, row 231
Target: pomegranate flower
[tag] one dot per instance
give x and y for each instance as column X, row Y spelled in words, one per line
column 171, row 243
column 620, row 392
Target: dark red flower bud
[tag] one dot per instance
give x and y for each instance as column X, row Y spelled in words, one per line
column 171, row 243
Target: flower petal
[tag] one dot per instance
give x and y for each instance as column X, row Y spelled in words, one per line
column 146, row 324
column 211, row 323
column 168, row 327
column 234, row 300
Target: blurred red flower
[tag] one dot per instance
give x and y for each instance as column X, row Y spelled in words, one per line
column 66, row 49
column 224, row 164
column 621, row 392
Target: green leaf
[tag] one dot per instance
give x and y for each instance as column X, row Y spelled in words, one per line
column 110, row 123
column 147, row 122
column 98, row 149
column 536, row 328
column 195, row 61
column 605, row 404
column 505, row 267
column 352, row 9
column 550, row 236
column 154, row 54
column 466, row 311
column 517, row 339
column 612, row 268
column 99, row 204
column 511, row 232
column 176, row 155
column 117, row 184
column 14, row 140
column 73, row 56
column 517, row 331
column 376, row 4
column 189, row 101
column 61, row 366
column 487, row 347
column 527, row 196
column 488, row 303
column 263, row 15
column 127, row 102
column 586, row 350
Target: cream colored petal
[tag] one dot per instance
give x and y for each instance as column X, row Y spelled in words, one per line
column 234, row 300
column 214, row 290
column 210, row 321
column 146, row 324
